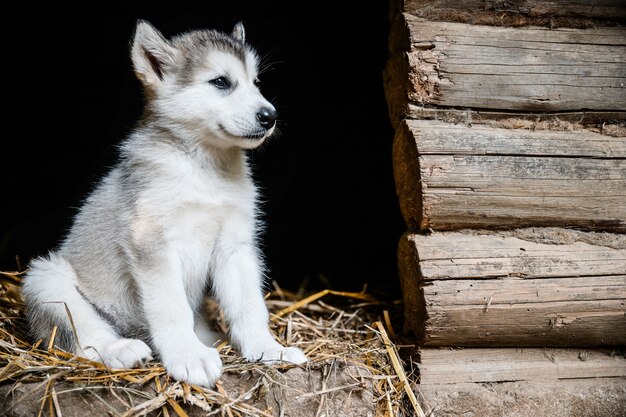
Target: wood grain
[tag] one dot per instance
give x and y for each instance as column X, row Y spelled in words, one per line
column 525, row 12
column 448, row 366
column 503, row 68
column 463, row 289
column 449, row 176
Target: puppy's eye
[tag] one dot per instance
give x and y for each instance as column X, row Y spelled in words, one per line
column 257, row 82
column 221, row 82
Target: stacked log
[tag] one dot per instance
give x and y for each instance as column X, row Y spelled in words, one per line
column 451, row 176
column 526, row 69
column 512, row 289
column 509, row 159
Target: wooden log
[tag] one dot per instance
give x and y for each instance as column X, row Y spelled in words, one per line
column 513, row 69
column 554, row 13
column 452, row 177
column 450, row 366
column 463, row 289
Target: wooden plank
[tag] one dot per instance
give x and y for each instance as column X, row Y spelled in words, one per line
column 449, row 366
column 512, row 69
column 496, row 289
column 452, row 177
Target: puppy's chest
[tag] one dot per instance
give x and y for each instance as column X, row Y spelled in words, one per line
column 194, row 208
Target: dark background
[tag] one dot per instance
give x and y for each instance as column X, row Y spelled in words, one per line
column 330, row 205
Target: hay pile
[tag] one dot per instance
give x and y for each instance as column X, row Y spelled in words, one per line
column 345, row 336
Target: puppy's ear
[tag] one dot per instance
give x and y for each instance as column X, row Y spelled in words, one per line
column 239, row 33
column 153, row 56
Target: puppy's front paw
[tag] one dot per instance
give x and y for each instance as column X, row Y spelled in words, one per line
column 276, row 354
column 293, row 355
column 194, row 364
column 122, row 353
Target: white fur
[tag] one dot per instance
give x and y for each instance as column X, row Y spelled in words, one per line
column 175, row 218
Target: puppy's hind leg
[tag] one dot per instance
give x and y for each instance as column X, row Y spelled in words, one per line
column 53, row 299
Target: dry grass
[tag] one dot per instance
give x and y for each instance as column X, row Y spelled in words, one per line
column 330, row 326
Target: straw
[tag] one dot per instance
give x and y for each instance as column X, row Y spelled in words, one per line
column 346, row 327
column 399, row 369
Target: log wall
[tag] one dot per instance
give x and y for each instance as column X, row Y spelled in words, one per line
column 509, row 158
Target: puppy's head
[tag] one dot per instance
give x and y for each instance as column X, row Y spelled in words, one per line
column 204, row 85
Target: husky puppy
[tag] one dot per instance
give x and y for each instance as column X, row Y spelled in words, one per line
column 173, row 220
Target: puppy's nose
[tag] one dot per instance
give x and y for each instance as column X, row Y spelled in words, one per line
column 266, row 117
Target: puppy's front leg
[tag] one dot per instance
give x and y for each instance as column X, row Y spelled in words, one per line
column 237, row 284
column 171, row 322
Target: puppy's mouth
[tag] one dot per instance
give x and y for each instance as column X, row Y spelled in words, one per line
column 256, row 135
